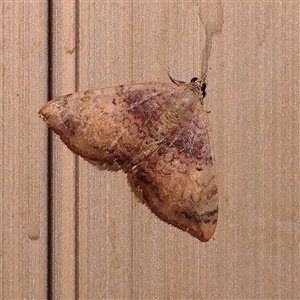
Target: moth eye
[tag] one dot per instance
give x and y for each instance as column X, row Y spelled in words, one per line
column 203, row 87
column 194, row 79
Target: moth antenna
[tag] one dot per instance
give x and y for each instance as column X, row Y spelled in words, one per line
column 203, row 77
column 177, row 82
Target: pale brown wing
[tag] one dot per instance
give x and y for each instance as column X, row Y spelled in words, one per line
column 156, row 132
column 178, row 180
column 110, row 125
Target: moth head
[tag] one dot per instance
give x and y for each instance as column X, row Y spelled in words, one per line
column 196, row 84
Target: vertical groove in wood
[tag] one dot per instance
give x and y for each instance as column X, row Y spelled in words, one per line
column 23, row 174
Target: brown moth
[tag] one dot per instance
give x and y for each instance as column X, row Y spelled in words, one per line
column 157, row 133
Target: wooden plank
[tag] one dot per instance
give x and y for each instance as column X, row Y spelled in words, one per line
column 105, row 197
column 123, row 250
column 257, row 148
column 63, row 221
column 23, row 144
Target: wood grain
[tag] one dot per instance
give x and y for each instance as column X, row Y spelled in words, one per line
column 106, row 245
column 23, row 144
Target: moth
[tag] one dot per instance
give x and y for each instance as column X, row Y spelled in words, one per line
column 158, row 134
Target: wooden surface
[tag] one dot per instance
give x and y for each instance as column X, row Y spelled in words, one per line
column 81, row 232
